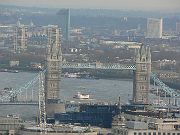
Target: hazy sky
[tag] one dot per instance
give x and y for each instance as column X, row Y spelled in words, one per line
column 163, row 5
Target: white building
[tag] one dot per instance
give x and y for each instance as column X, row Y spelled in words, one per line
column 178, row 27
column 143, row 125
column 20, row 39
column 154, row 28
column 14, row 63
column 10, row 124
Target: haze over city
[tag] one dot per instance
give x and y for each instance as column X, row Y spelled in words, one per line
column 146, row 5
column 90, row 67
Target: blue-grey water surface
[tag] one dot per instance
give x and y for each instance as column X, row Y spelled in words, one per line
column 102, row 89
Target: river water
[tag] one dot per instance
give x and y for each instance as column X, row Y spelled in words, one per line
column 102, row 89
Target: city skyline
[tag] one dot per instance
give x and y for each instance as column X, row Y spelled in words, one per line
column 160, row 5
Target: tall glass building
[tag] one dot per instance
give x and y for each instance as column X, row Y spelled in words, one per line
column 178, row 27
column 64, row 22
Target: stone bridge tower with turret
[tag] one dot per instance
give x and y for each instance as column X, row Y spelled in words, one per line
column 53, row 71
column 141, row 82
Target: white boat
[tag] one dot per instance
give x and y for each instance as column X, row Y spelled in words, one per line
column 71, row 75
column 79, row 95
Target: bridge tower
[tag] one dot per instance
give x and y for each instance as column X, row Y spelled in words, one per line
column 53, row 71
column 141, row 82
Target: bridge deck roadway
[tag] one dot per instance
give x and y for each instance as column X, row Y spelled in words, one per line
column 99, row 66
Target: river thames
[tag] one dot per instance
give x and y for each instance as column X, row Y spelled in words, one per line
column 100, row 89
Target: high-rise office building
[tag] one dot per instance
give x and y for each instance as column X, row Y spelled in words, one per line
column 64, row 22
column 178, row 27
column 154, row 28
column 20, row 39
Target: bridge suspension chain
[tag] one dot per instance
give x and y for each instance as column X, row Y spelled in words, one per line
column 164, row 87
column 15, row 92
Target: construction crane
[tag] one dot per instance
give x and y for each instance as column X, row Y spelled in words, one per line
column 42, row 109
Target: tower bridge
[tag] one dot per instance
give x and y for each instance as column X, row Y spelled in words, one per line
column 54, row 64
